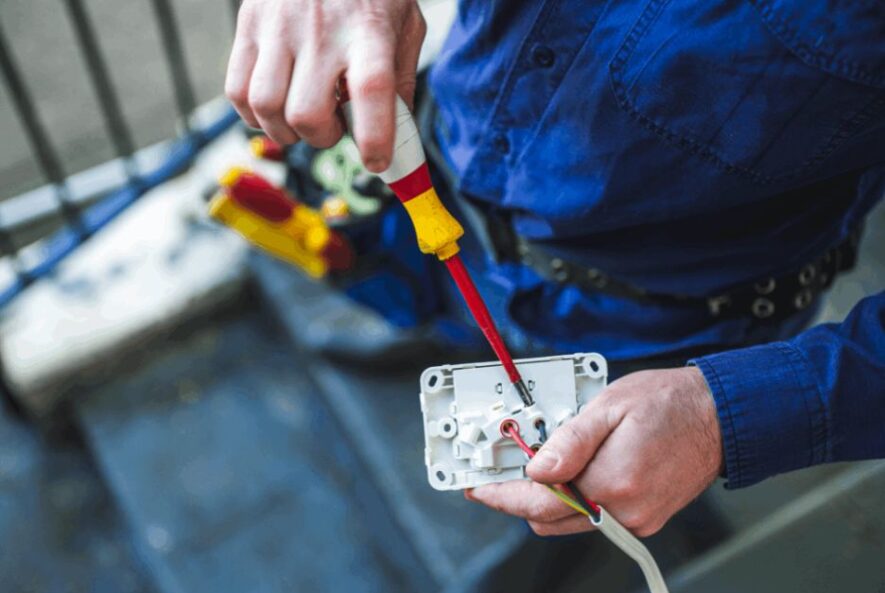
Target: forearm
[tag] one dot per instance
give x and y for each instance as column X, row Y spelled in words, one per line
column 817, row 398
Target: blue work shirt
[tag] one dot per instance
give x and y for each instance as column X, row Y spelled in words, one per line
column 685, row 147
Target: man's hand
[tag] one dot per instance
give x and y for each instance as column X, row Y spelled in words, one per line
column 643, row 449
column 288, row 56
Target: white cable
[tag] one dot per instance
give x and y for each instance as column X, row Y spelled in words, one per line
column 634, row 548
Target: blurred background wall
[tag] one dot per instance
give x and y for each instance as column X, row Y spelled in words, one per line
column 41, row 39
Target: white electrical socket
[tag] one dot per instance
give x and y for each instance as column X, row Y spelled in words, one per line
column 464, row 406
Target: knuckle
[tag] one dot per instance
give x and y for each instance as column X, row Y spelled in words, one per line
column 568, row 436
column 422, row 29
column 642, row 521
column 417, row 21
column 246, row 16
column 421, row 23
column 264, row 105
column 634, row 521
column 328, row 139
column 306, row 120
column 571, row 432
column 624, row 488
column 374, row 83
column 647, row 529
column 542, row 529
column 374, row 147
column 376, row 21
column 236, row 94
column 616, row 409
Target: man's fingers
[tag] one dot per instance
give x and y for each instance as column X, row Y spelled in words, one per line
column 569, row 525
column 408, row 50
column 522, row 498
column 243, row 56
column 311, row 107
column 571, row 446
column 371, row 85
column 268, row 89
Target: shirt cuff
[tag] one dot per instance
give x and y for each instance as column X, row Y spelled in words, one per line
column 771, row 412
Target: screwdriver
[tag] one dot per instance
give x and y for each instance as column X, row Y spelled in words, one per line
column 438, row 233
column 436, row 229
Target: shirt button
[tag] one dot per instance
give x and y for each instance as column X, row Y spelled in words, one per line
column 543, row 56
column 501, row 144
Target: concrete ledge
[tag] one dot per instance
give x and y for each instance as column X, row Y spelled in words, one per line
column 158, row 265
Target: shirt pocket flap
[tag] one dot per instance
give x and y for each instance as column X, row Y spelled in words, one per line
column 714, row 79
column 843, row 37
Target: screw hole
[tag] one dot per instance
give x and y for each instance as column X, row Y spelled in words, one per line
column 441, row 476
column 594, row 365
column 434, row 379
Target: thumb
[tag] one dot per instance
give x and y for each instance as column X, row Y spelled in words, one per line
column 570, row 448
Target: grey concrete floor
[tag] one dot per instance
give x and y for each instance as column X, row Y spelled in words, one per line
column 43, row 44
column 59, row 530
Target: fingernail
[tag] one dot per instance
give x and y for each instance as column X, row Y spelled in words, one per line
column 376, row 165
column 544, row 461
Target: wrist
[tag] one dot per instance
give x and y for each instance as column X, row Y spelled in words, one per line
column 704, row 406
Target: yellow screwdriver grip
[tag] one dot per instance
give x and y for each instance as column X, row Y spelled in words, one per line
column 436, row 229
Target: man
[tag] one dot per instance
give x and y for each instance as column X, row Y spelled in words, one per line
column 681, row 178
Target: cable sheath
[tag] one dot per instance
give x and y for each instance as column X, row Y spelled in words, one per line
column 634, row 548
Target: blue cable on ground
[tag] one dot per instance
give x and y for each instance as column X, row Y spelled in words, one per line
column 181, row 155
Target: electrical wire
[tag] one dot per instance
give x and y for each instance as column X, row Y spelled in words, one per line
column 510, row 429
column 542, row 430
column 599, row 518
column 568, row 500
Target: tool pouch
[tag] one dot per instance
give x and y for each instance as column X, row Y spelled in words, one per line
column 388, row 273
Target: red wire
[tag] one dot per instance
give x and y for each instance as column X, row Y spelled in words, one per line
column 510, row 429
column 481, row 313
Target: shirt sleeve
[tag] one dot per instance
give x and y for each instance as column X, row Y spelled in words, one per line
column 817, row 398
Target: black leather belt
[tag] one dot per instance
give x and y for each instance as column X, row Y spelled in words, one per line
column 771, row 299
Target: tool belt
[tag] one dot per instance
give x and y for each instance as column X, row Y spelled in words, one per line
column 770, row 300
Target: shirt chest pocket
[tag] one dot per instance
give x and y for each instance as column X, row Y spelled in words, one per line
column 763, row 89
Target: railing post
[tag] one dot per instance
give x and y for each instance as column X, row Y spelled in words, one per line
column 9, row 249
column 37, row 137
column 112, row 113
column 175, row 59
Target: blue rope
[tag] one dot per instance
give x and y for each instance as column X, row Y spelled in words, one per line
column 62, row 243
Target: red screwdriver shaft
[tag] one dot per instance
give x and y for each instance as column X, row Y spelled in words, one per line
column 436, row 229
column 485, row 322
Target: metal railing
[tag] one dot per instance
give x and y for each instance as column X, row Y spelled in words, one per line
column 79, row 223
